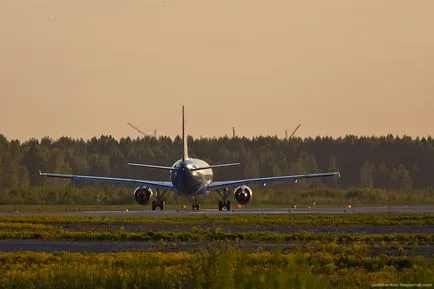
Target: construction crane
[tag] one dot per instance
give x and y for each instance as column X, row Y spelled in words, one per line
column 140, row 131
column 293, row 132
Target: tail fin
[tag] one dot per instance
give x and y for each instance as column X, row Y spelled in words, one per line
column 184, row 138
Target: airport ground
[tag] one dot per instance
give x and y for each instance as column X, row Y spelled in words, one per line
column 136, row 209
column 219, row 265
column 249, row 248
column 57, row 208
column 273, row 228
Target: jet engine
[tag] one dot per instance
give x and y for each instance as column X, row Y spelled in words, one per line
column 142, row 195
column 243, row 195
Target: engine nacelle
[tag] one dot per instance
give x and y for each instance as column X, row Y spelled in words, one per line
column 142, row 195
column 243, row 195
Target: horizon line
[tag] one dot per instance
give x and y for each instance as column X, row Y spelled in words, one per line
column 149, row 136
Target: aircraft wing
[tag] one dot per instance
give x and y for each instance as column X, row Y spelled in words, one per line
column 168, row 186
column 235, row 183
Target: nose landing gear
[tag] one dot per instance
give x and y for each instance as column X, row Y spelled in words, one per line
column 224, row 203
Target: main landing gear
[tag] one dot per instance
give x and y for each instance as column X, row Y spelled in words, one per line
column 195, row 205
column 159, row 203
column 224, row 203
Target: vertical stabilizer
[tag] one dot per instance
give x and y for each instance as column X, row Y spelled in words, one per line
column 184, row 138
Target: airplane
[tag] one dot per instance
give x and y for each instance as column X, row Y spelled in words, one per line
column 191, row 178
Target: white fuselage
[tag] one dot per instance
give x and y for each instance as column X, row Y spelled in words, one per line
column 190, row 182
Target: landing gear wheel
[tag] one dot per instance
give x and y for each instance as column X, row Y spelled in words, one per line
column 159, row 203
column 196, row 205
column 224, row 203
column 162, row 205
column 220, row 205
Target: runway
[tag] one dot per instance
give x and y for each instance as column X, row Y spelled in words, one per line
column 116, row 246
column 156, row 246
column 244, row 211
column 336, row 210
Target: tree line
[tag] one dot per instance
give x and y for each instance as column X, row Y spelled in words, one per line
column 389, row 163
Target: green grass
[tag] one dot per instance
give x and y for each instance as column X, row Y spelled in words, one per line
column 393, row 219
column 212, row 235
column 209, row 227
column 217, row 266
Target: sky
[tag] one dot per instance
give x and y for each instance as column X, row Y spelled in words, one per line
column 84, row 68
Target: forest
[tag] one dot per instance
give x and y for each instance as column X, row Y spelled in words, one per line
column 373, row 170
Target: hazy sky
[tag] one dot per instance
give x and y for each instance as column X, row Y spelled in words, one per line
column 84, row 68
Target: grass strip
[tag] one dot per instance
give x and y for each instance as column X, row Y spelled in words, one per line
column 416, row 219
column 213, row 267
column 208, row 235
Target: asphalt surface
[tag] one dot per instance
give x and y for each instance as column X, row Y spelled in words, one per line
column 367, row 210
column 117, row 246
column 313, row 210
column 154, row 246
